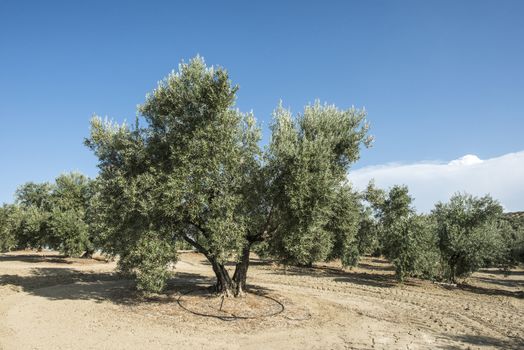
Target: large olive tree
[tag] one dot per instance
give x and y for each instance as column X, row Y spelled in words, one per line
column 195, row 172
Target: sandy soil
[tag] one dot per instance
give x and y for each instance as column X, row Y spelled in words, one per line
column 49, row 302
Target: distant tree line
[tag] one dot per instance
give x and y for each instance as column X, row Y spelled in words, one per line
column 50, row 215
column 454, row 240
column 195, row 175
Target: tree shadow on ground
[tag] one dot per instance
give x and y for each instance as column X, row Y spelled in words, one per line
column 34, row 258
column 502, row 272
column 481, row 340
column 189, row 279
column 370, row 280
column 340, row 275
column 490, row 291
column 185, row 281
column 71, row 284
column 502, row 282
column 375, row 267
column 64, row 283
column 375, row 280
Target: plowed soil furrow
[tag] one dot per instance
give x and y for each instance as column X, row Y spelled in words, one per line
column 444, row 311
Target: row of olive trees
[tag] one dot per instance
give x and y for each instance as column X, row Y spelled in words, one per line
column 195, row 172
column 456, row 239
column 47, row 215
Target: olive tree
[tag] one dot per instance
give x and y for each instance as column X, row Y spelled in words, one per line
column 308, row 160
column 412, row 247
column 408, row 240
column 69, row 226
column 512, row 230
column 53, row 215
column 36, row 195
column 368, row 233
column 34, row 200
column 195, row 172
column 381, row 211
column 344, row 225
column 469, row 233
column 9, row 223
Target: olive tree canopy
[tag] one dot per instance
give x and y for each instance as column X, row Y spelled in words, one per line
column 195, row 171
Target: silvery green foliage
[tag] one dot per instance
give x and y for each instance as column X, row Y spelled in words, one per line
column 309, row 157
column 344, row 224
column 181, row 176
column 36, row 195
column 408, row 240
column 10, row 216
column 411, row 244
column 70, row 234
column 396, row 205
column 469, row 233
column 512, row 230
column 195, row 172
column 386, row 208
column 35, row 203
column 148, row 260
column 121, row 211
column 68, row 222
column 368, row 232
column 54, row 215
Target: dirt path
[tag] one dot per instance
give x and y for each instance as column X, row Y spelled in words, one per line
column 47, row 302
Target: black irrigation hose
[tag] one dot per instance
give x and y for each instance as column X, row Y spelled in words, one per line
column 233, row 317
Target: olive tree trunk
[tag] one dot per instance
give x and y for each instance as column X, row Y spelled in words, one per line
column 224, row 284
column 240, row 275
column 232, row 286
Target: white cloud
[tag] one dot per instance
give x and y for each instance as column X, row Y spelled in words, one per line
column 429, row 182
column 468, row 159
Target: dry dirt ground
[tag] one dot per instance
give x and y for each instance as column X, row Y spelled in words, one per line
column 50, row 302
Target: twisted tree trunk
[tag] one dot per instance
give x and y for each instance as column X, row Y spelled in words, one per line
column 235, row 286
column 240, row 275
column 224, row 284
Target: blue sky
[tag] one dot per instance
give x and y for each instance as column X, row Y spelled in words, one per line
column 439, row 79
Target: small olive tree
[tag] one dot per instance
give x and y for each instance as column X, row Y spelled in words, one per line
column 368, row 232
column 69, row 225
column 408, row 240
column 382, row 209
column 344, row 224
column 54, row 215
column 469, row 234
column 512, row 230
column 411, row 244
column 34, row 200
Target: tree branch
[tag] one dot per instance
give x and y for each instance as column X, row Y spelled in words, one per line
column 259, row 237
column 197, row 245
